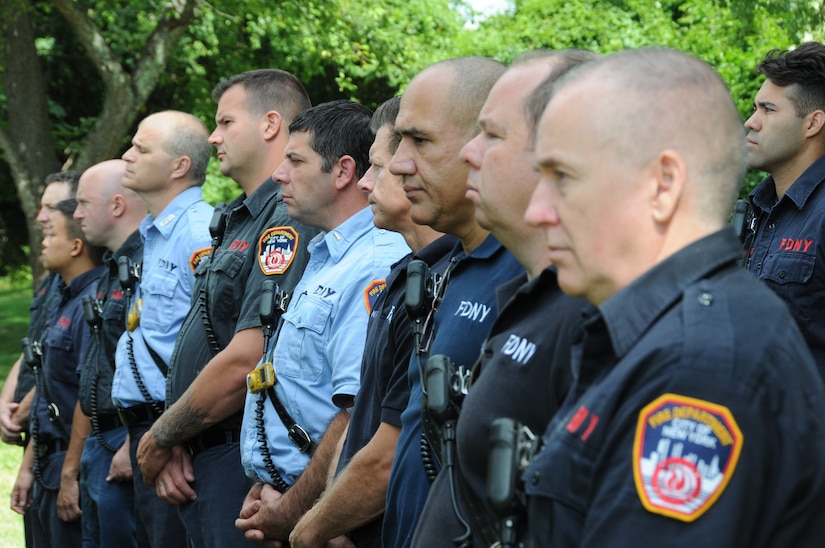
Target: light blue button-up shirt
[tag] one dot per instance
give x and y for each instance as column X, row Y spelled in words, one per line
column 317, row 356
column 173, row 242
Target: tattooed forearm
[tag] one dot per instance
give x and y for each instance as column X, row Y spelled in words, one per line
column 178, row 424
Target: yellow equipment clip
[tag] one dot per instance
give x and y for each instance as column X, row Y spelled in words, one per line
column 261, row 378
column 134, row 315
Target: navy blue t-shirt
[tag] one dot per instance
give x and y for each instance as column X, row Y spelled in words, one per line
column 462, row 323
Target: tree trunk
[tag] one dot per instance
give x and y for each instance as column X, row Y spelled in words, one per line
column 25, row 133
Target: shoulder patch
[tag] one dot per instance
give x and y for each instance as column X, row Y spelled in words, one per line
column 276, row 248
column 684, row 454
column 196, row 257
column 371, row 293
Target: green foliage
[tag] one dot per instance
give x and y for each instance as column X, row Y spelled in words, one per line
column 218, row 188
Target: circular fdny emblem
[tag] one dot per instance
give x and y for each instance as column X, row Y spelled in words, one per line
column 276, row 248
column 684, row 453
column 677, row 481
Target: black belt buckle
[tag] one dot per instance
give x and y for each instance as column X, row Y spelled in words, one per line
column 126, row 417
column 300, row 438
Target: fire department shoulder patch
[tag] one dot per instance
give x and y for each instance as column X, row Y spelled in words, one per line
column 276, row 248
column 684, row 454
column 371, row 293
column 197, row 256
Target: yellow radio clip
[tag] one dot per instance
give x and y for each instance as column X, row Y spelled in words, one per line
column 261, row 378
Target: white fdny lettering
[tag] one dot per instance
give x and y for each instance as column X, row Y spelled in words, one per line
column 521, row 350
column 474, row 311
column 167, row 265
column 390, row 313
column 324, row 291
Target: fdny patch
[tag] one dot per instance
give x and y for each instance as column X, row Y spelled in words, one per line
column 276, row 248
column 684, row 454
column 371, row 293
column 196, row 257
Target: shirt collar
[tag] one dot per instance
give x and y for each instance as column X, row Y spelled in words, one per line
column 764, row 195
column 259, row 199
column 79, row 283
column 629, row 313
column 341, row 238
column 165, row 222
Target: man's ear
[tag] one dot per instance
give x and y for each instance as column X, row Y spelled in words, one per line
column 272, row 124
column 815, row 124
column 77, row 247
column 344, row 170
column 668, row 178
column 118, row 205
column 182, row 166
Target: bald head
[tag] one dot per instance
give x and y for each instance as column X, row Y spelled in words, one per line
column 470, row 80
column 664, row 99
column 108, row 212
column 183, row 135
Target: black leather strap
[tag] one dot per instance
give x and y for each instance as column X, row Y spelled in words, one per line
column 298, row 435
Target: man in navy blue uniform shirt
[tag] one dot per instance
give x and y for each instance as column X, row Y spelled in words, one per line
column 52, row 459
column 691, row 379
column 787, row 231
column 109, row 216
column 524, row 370
column 438, row 115
column 363, row 467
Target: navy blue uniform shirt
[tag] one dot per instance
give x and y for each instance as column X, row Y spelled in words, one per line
column 787, row 252
column 45, row 298
column 696, row 418
column 524, row 373
column 461, row 325
column 99, row 365
column 384, row 388
column 65, row 339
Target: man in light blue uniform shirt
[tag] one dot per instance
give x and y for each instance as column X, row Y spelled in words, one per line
column 166, row 166
column 317, row 354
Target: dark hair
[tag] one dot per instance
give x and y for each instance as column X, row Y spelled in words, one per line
column 268, row 89
column 70, row 177
column 73, row 230
column 384, row 115
column 803, row 66
column 564, row 61
column 337, row 128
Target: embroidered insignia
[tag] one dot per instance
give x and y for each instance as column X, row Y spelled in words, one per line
column 276, row 248
column 196, row 257
column 684, row 454
column 371, row 293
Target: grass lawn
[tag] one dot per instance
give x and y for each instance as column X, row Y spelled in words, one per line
column 14, row 319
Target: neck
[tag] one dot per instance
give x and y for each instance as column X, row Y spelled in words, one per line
column 786, row 174
column 471, row 236
column 529, row 247
column 419, row 236
column 76, row 268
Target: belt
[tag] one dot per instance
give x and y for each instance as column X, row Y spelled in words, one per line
column 108, row 422
column 144, row 413
column 213, row 437
column 48, row 446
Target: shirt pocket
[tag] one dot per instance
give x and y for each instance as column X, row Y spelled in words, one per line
column 158, row 301
column 307, row 338
column 222, row 286
column 789, row 268
column 558, row 484
column 60, row 355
